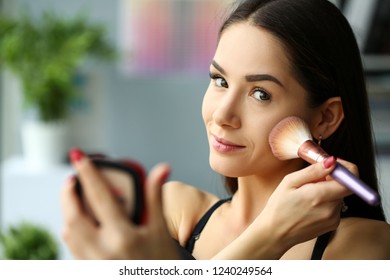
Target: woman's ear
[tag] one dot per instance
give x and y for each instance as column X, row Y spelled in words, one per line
column 328, row 118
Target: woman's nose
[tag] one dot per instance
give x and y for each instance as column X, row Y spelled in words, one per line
column 226, row 113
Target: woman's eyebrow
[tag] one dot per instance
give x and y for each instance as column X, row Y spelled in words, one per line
column 250, row 78
column 218, row 67
column 263, row 77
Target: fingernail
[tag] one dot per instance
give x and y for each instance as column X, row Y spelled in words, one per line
column 165, row 177
column 70, row 179
column 329, row 161
column 75, row 154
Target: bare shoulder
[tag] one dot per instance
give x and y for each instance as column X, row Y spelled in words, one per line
column 359, row 238
column 183, row 207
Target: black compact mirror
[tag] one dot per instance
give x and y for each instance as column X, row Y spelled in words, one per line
column 126, row 180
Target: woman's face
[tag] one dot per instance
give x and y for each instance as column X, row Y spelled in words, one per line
column 252, row 88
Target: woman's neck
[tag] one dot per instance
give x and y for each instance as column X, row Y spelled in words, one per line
column 252, row 196
column 254, row 191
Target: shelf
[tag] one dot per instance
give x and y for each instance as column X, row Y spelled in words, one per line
column 34, row 196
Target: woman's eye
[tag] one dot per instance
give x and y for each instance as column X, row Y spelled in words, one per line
column 261, row 95
column 219, row 81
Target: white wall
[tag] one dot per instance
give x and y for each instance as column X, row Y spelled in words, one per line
column 11, row 112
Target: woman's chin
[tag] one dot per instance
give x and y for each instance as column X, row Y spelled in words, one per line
column 226, row 169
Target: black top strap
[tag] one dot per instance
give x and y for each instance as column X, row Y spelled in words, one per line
column 318, row 250
column 320, row 246
column 183, row 253
column 201, row 224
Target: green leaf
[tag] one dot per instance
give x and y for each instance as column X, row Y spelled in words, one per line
column 27, row 241
column 46, row 53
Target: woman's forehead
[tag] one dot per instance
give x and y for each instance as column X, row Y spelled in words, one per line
column 249, row 49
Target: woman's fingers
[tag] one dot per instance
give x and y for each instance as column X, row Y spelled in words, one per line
column 312, row 173
column 78, row 231
column 117, row 237
column 315, row 174
column 103, row 204
column 155, row 180
column 350, row 166
column 70, row 204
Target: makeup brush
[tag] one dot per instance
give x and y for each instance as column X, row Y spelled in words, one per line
column 291, row 138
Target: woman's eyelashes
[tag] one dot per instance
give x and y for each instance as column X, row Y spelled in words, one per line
column 219, row 81
column 261, row 95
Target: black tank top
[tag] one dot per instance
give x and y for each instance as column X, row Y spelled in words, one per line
column 319, row 247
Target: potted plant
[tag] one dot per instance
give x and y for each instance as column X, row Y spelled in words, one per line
column 45, row 55
column 27, row 241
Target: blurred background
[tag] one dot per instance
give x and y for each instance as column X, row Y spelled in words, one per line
column 144, row 101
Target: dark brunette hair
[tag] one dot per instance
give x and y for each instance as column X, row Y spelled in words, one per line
column 326, row 61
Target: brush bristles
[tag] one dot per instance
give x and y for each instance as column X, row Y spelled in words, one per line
column 287, row 136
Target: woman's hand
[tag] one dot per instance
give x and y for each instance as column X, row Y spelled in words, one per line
column 306, row 204
column 115, row 237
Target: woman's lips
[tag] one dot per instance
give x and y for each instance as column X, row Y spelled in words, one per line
column 224, row 146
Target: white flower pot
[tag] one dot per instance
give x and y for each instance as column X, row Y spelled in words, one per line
column 44, row 144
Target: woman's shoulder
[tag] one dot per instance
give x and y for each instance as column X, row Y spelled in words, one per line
column 178, row 194
column 360, row 238
column 184, row 205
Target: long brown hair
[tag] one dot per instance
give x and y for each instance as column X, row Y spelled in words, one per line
column 326, row 61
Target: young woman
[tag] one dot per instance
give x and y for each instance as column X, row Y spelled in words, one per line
column 274, row 59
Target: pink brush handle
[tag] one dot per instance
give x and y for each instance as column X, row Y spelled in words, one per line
column 313, row 153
